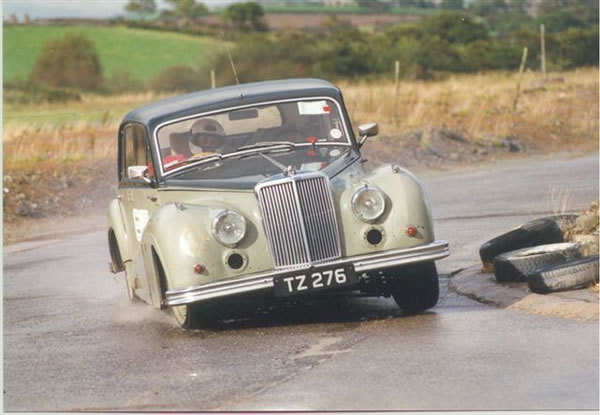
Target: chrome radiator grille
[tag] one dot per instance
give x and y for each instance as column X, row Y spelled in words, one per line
column 299, row 220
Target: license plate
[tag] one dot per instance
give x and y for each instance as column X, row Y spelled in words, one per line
column 314, row 280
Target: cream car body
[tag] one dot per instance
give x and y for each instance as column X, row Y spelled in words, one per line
column 301, row 197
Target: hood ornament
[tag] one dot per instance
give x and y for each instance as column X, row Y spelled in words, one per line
column 289, row 171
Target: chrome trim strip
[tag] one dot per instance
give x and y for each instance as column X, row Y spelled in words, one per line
column 283, row 223
column 324, row 238
column 300, row 214
column 362, row 263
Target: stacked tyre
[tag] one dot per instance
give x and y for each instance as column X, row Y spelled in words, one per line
column 535, row 253
column 536, row 232
column 578, row 273
column 519, row 264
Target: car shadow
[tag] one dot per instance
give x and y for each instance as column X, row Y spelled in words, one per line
column 330, row 309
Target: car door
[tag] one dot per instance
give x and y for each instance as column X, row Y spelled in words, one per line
column 139, row 199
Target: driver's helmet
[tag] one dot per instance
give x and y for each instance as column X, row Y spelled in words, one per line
column 205, row 135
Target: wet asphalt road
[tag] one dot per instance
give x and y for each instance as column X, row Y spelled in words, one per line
column 72, row 340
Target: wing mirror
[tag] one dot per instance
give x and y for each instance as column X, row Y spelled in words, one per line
column 367, row 130
column 138, row 172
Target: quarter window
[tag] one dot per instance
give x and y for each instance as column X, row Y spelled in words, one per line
column 135, row 150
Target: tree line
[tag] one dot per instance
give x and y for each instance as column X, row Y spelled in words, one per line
column 243, row 16
column 489, row 37
column 464, row 37
column 451, row 41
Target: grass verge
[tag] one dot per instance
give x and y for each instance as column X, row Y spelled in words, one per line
column 559, row 113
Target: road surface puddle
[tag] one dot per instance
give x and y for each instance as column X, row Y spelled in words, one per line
column 322, row 348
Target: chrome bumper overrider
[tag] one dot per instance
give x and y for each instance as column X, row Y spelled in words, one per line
column 362, row 263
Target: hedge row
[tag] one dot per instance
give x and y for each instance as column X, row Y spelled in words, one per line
column 448, row 42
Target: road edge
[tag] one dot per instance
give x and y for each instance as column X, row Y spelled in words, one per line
column 472, row 283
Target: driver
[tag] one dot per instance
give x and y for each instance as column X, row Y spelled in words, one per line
column 206, row 137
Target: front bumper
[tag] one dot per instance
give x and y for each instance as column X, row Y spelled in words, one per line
column 362, row 263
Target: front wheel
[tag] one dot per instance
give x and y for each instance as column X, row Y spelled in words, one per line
column 194, row 316
column 187, row 316
column 183, row 315
column 416, row 287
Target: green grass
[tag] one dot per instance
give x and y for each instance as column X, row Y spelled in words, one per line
column 143, row 53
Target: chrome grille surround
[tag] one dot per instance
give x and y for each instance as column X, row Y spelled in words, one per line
column 299, row 220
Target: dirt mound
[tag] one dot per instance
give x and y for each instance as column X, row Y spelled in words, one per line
column 57, row 190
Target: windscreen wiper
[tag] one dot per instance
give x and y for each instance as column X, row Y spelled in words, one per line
column 201, row 160
column 205, row 157
column 263, row 144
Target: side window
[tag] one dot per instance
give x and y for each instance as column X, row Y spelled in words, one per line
column 143, row 157
column 129, row 149
column 135, row 150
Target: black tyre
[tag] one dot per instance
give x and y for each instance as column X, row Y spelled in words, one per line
column 188, row 316
column 578, row 273
column 536, row 232
column 194, row 316
column 416, row 287
column 517, row 265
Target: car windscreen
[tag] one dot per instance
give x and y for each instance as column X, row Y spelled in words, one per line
column 298, row 123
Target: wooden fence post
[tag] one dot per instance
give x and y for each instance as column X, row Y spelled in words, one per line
column 543, row 48
column 397, row 87
column 213, row 82
column 521, row 69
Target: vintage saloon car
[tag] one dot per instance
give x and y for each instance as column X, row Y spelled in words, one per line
column 260, row 188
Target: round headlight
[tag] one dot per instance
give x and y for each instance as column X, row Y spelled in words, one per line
column 229, row 228
column 368, row 203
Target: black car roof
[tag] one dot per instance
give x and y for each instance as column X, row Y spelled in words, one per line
column 230, row 96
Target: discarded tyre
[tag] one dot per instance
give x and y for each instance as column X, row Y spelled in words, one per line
column 578, row 273
column 536, row 232
column 517, row 265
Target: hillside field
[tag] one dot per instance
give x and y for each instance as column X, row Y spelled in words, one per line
column 120, row 48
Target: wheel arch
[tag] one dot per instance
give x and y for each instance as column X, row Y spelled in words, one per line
column 116, row 226
column 160, row 275
column 115, row 253
column 155, row 270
